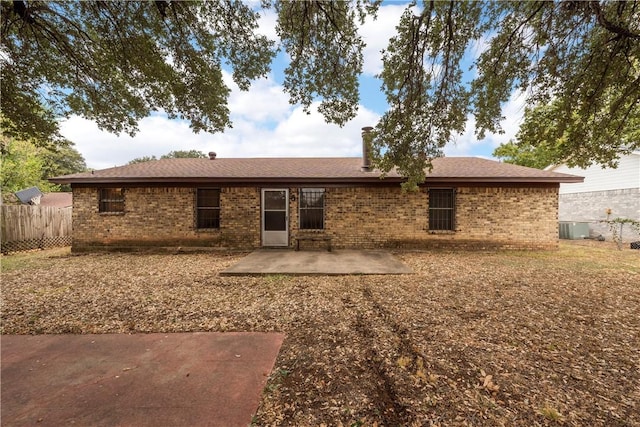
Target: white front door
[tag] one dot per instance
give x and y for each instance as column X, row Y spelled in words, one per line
column 275, row 217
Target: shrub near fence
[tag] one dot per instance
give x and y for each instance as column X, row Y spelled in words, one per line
column 34, row 227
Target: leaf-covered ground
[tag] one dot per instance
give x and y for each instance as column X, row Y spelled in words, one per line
column 473, row 338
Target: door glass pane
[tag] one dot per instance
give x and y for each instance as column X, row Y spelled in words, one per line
column 275, row 200
column 275, row 221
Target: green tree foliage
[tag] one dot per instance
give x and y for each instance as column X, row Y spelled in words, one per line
column 422, row 80
column 547, row 137
column 583, row 56
column 184, row 154
column 538, row 157
column 142, row 159
column 115, row 62
column 551, row 134
column 62, row 159
column 177, row 154
column 21, row 166
column 25, row 164
column 535, row 148
column 321, row 37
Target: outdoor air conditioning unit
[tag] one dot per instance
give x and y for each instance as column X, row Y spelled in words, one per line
column 574, row 230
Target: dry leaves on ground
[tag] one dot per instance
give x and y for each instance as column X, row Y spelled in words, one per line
column 506, row 338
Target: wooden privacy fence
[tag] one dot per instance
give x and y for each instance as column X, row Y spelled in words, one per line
column 34, row 227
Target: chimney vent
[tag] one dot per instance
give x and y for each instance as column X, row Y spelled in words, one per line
column 366, row 148
column 212, row 155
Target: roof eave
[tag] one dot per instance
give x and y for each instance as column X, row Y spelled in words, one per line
column 312, row 180
column 226, row 180
column 497, row 180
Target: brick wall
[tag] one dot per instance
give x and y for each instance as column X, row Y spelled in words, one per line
column 486, row 217
column 165, row 217
column 362, row 217
column 508, row 217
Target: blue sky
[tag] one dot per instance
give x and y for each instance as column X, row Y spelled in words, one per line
column 266, row 125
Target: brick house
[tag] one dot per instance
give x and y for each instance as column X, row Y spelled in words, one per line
column 248, row 203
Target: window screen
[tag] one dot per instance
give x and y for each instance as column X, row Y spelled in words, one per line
column 441, row 209
column 208, row 208
column 312, row 209
column 111, row 200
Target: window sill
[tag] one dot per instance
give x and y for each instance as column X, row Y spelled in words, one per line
column 441, row 231
column 111, row 213
column 207, row 230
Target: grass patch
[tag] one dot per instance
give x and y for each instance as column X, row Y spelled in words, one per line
column 276, row 278
column 583, row 255
column 32, row 259
column 551, row 413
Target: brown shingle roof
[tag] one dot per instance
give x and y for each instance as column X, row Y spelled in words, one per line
column 57, row 200
column 306, row 170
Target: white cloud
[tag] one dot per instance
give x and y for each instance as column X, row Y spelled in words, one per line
column 479, row 46
column 267, row 24
column 264, row 101
column 157, row 136
column 468, row 144
column 376, row 34
column 513, row 112
column 298, row 135
column 268, row 127
column 264, row 125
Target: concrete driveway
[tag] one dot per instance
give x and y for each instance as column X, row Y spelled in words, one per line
column 178, row 379
column 285, row 261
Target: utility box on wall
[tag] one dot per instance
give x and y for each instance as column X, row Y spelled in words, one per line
column 574, row 230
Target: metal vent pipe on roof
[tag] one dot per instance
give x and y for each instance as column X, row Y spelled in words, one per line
column 212, row 155
column 366, row 148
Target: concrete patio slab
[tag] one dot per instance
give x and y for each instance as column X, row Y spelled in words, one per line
column 283, row 261
column 178, row 379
